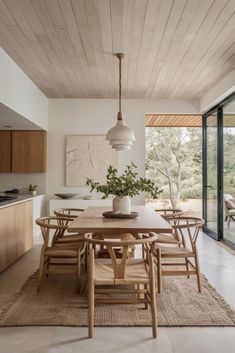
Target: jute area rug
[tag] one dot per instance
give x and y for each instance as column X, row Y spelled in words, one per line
column 58, row 304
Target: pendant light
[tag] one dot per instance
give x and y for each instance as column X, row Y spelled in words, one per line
column 120, row 136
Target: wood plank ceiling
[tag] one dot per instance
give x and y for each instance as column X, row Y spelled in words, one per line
column 173, row 48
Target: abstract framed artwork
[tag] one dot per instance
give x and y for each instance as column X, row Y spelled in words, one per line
column 88, row 156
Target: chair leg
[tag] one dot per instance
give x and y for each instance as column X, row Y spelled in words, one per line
column 146, row 297
column 48, row 266
column 153, row 301
column 79, row 271
column 91, row 309
column 91, row 294
column 41, row 270
column 85, row 258
column 198, row 271
column 143, row 252
column 159, row 271
column 187, row 266
column 154, row 312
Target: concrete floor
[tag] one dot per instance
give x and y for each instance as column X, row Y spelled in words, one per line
column 229, row 231
column 216, row 263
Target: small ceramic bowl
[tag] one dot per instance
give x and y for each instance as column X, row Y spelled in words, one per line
column 66, row 195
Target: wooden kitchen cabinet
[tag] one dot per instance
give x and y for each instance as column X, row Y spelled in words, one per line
column 7, row 237
column 5, row 151
column 23, row 151
column 23, row 227
column 16, row 232
column 28, row 151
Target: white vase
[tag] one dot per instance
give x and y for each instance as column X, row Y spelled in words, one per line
column 122, row 204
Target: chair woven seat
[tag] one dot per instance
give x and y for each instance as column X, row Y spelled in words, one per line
column 70, row 245
column 167, row 251
column 69, row 238
column 57, row 252
column 135, row 272
column 166, row 239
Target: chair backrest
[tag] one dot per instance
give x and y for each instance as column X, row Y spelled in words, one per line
column 169, row 212
column 50, row 225
column 69, row 214
column 186, row 226
column 228, row 197
column 229, row 202
column 119, row 264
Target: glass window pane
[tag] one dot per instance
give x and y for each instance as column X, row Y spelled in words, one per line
column 229, row 171
column 211, row 187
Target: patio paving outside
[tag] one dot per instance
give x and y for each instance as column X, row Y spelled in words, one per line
column 191, row 206
column 229, row 232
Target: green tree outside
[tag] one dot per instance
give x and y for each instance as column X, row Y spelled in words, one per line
column 174, row 161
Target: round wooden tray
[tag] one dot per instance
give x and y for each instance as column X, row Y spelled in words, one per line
column 111, row 214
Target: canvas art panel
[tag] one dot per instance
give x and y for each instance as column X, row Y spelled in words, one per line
column 88, row 156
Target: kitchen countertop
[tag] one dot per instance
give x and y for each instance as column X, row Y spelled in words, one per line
column 19, row 199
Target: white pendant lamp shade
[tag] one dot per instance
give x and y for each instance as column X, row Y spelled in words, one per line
column 120, row 136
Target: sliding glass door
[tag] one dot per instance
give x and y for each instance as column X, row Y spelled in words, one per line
column 229, row 172
column 210, row 174
column 219, row 171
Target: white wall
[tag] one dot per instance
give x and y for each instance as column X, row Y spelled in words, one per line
column 22, row 181
column 96, row 116
column 20, row 94
column 220, row 91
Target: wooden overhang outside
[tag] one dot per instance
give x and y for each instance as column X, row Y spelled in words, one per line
column 184, row 120
column 173, row 120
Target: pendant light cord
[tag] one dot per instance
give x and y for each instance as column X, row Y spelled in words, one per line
column 120, row 56
column 120, row 83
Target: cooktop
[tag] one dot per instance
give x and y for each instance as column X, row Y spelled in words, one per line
column 7, row 198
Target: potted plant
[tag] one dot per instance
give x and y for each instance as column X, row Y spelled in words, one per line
column 33, row 189
column 124, row 187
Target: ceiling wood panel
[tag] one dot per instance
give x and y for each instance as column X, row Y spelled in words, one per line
column 216, row 26
column 173, row 48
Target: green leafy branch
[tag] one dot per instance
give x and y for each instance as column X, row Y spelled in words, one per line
column 127, row 184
